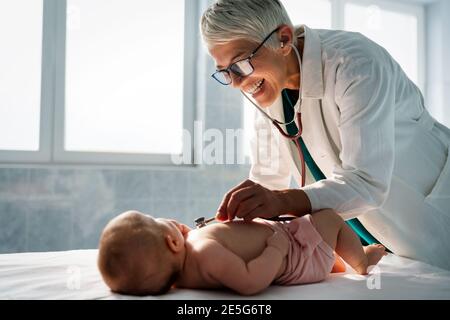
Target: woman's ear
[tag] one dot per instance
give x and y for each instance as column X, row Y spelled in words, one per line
column 285, row 34
column 174, row 243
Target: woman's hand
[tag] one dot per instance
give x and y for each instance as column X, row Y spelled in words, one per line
column 249, row 200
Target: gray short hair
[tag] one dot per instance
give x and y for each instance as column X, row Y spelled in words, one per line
column 253, row 20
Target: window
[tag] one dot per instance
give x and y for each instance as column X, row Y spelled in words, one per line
column 395, row 27
column 398, row 27
column 124, row 77
column 315, row 14
column 20, row 75
column 117, row 80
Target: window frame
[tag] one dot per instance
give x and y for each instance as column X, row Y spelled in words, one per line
column 52, row 104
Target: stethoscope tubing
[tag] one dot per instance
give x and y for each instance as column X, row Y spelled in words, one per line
column 298, row 115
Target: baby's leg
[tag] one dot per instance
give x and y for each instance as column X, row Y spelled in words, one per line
column 345, row 242
column 339, row 265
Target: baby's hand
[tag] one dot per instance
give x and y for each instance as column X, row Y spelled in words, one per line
column 279, row 241
column 184, row 229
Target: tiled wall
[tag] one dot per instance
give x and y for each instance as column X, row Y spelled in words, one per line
column 61, row 209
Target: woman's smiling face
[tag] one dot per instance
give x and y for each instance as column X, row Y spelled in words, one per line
column 270, row 69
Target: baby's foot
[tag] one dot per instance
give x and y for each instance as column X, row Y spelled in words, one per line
column 374, row 253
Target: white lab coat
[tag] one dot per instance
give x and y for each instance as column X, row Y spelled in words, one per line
column 366, row 127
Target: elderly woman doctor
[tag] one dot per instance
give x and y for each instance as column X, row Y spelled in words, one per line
column 367, row 139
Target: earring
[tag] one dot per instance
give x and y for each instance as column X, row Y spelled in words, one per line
column 282, row 45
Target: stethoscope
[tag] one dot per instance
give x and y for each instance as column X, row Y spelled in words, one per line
column 297, row 115
column 202, row 221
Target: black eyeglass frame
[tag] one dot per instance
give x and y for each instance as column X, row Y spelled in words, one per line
column 248, row 59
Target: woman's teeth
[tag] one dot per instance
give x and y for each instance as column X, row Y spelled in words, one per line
column 256, row 87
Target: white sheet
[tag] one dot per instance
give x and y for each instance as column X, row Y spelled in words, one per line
column 74, row 275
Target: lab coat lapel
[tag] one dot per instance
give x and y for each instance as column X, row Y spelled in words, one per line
column 319, row 138
column 311, row 76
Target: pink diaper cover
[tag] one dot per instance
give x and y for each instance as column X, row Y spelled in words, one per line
column 309, row 259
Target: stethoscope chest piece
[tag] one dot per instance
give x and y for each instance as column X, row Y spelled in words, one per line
column 202, row 221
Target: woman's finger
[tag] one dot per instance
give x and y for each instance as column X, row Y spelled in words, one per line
column 247, row 206
column 260, row 211
column 222, row 214
column 236, row 199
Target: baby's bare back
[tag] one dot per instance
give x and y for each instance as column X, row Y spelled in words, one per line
column 245, row 239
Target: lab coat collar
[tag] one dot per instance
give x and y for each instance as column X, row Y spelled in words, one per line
column 276, row 109
column 312, row 79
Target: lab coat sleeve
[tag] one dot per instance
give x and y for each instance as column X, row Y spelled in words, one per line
column 267, row 166
column 365, row 97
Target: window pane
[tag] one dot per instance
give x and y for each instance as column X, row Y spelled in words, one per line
column 20, row 73
column 395, row 31
column 315, row 14
column 124, row 76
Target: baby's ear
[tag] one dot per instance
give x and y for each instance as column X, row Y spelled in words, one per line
column 174, row 244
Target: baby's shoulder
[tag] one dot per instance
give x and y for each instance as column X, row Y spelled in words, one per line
column 207, row 252
column 207, row 248
column 200, row 244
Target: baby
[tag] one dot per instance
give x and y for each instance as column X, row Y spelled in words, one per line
column 141, row 255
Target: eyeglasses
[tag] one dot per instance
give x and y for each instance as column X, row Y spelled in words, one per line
column 241, row 68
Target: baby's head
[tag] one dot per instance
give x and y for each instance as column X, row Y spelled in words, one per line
column 141, row 255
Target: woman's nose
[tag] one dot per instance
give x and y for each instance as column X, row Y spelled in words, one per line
column 235, row 80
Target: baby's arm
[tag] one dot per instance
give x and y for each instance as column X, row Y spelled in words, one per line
column 246, row 278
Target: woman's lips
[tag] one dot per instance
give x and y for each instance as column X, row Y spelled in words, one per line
column 254, row 87
column 260, row 89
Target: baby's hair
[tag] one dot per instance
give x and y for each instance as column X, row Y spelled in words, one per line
column 122, row 252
